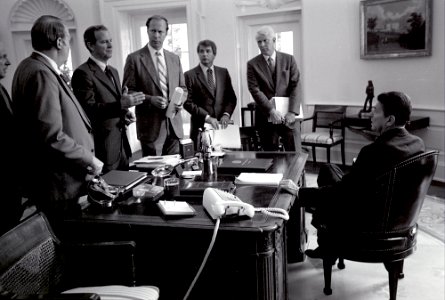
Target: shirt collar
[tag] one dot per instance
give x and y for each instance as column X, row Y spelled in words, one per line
column 204, row 68
column 273, row 56
column 153, row 50
column 101, row 64
column 51, row 62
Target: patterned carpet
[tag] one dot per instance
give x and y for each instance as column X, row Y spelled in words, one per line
column 432, row 217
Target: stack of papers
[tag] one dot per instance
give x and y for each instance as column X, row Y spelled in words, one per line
column 271, row 179
column 228, row 138
column 157, row 161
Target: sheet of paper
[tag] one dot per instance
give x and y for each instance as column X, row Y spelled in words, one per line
column 159, row 160
column 282, row 105
column 176, row 99
column 259, row 178
column 227, row 138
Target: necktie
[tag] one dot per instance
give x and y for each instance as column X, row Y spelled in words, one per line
column 6, row 98
column 110, row 76
column 66, row 79
column 271, row 64
column 210, row 81
column 162, row 72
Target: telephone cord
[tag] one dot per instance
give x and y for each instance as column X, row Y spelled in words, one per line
column 274, row 212
column 204, row 261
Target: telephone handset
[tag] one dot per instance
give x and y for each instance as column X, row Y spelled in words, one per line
column 221, row 204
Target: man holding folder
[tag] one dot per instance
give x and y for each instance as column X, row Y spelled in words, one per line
column 274, row 74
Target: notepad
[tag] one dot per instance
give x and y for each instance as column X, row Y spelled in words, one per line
column 176, row 208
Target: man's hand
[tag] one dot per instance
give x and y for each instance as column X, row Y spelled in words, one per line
column 95, row 169
column 129, row 100
column 289, row 186
column 224, row 121
column 178, row 107
column 276, row 117
column 290, row 118
column 213, row 122
column 159, row 102
column 130, row 117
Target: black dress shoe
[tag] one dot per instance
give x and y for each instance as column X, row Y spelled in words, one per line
column 314, row 253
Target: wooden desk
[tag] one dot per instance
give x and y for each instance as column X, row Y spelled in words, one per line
column 248, row 260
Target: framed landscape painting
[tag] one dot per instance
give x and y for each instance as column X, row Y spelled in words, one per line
column 395, row 28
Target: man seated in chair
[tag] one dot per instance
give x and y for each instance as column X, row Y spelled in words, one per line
column 341, row 200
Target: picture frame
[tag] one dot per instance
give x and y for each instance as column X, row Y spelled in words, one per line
column 395, row 28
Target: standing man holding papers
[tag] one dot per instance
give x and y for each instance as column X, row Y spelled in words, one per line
column 211, row 98
column 274, row 74
column 157, row 73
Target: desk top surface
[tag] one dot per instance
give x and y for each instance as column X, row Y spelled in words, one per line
column 291, row 164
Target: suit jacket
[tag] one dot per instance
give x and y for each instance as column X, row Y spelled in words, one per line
column 140, row 74
column 56, row 141
column 201, row 102
column 11, row 201
column 101, row 100
column 352, row 199
column 262, row 86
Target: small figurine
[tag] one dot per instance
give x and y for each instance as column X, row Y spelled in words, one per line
column 369, row 97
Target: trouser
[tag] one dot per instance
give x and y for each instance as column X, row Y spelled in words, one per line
column 166, row 143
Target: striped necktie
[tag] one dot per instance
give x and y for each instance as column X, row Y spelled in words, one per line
column 162, row 72
column 210, row 81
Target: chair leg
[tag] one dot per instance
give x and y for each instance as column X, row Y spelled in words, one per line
column 314, row 158
column 394, row 269
column 401, row 274
column 341, row 263
column 327, row 271
column 328, row 151
column 343, row 158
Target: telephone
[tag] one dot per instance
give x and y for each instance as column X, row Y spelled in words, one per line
column 221, row 204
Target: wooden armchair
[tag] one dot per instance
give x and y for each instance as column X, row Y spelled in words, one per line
column 34, row 262
column 326, row 117
column 388, row 230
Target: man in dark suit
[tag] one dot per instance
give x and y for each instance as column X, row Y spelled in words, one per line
column 211, row 98
column 274, row 74
column 156, row 72
column 11, row 200
column 56, row 144
column 97, row 87
column 342, row 200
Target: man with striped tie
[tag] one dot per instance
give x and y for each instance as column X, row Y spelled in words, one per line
column 156, row 72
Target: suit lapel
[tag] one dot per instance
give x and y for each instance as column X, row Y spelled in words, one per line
column 170, row 68
column 67, row 89
column 102, row 77
column 219, row 83
column 262, row 64
column 148, row 63
column 201, row 77
column 6, row 99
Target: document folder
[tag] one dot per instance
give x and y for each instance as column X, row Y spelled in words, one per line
column 124, row 179
column 238, row 165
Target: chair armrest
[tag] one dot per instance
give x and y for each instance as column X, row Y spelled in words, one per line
column 103, row 263
column 308, row 118
column 331, row 126
column 85, row 296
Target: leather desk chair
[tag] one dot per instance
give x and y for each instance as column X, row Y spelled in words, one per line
column 327, row 117
column 34, row 262
column 388, row 231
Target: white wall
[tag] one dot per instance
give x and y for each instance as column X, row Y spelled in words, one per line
column 332, row 70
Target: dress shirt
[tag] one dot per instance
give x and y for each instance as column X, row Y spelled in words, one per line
column 101, row 64
column 273, row 56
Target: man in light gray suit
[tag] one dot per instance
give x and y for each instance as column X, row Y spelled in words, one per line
column 57, row 150
column 156, row 72
column 274, row 74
